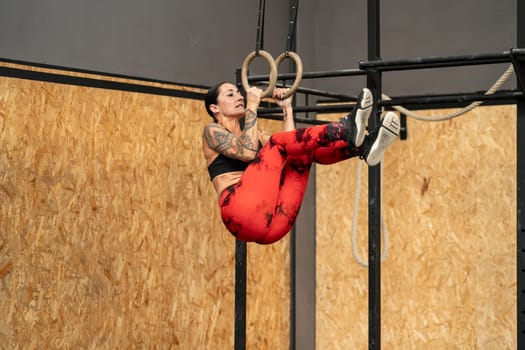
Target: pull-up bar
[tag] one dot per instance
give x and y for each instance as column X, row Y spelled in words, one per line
column 311, row 75
column 506, row 96
column 406, row 64
column 441, row 62
column 321, row 93
column 451, row 98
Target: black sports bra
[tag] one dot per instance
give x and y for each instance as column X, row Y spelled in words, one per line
column 223, row 164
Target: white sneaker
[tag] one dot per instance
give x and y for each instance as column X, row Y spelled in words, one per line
column 358, row 118
column 377, row 142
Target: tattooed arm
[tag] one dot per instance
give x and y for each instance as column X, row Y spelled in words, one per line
column 243, row 146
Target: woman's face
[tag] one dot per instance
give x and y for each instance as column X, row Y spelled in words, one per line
column 230, row 102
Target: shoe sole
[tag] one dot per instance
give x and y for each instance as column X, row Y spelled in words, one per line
column 388, row 132
column 362, row 115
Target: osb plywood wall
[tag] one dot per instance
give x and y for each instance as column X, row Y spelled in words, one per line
column 449, row 205
column 110, row 236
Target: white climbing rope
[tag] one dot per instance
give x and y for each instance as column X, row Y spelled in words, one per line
column 502, row 79
column 384, row 234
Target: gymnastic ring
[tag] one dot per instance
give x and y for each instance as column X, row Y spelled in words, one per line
column 273, row 71
column 298, row 69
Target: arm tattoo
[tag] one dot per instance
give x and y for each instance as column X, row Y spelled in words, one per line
column 222, row 141
column 250, row 119
column 226, row 143
column 245, row 142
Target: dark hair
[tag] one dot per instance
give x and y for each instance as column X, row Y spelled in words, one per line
column 211, row 97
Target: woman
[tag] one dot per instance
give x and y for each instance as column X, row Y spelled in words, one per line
column 261, row 179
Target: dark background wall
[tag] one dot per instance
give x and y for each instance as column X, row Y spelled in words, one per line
column 202, row 41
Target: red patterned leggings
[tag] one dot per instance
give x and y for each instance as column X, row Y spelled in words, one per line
column 263, row 206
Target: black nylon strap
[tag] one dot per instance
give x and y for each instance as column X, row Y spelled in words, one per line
column 290, row 40
column 259, row 43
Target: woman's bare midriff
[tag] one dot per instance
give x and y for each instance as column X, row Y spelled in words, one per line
column 223, row 181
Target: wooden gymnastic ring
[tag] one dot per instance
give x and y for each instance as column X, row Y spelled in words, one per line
column 273, row 71
column 298, row 68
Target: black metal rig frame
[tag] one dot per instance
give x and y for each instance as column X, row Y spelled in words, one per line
column 373, row 68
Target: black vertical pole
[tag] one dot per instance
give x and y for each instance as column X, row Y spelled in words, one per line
column 240, row 283
column 293, row 288
column 240, row 295
column 291, row 45
column 520, row 187
column 374, row 190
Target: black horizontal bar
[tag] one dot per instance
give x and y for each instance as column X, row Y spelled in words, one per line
column 415, row 63
column 316, row 92
column 300, row 109
column 444, row 101
column 273, row 114
column 96, row 83
column 441, row 62
column 457, row 104
column 457, row 98
column 311, row 75
column 517, row 52
column 93, row 72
